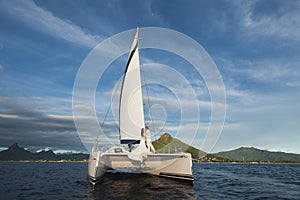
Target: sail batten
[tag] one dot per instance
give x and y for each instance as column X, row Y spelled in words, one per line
column 131, row 110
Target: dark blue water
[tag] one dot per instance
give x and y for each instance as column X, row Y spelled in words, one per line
column 213, row 181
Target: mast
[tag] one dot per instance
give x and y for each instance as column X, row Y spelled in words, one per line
column 131, row 111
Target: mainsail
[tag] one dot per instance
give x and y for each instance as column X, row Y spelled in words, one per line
column 131, row 110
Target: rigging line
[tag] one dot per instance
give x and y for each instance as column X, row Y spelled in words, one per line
column 101, row 125
column 148, row 99
column 106, row 114
column 147, row 91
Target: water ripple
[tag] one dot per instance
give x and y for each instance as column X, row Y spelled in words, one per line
column 213, row 181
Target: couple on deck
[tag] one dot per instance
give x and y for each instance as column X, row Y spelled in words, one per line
column 146, row 136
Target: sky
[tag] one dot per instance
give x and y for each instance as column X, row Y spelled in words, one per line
column 254, row 44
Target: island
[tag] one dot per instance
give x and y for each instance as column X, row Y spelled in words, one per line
column 164, row 144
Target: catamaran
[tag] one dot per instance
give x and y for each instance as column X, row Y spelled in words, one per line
column 143, row 158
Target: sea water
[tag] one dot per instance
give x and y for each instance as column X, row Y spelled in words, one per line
column 55, row 180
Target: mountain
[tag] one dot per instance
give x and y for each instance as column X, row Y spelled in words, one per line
column 166, row 143
column 251, row 154
column 48, row 155
column 14, row 152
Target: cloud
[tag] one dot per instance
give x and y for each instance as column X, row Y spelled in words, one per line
column 1, row 69
column 260, row 118
column 46, row 22
column 262, row 97
column 270, row 122
column 273, row 18
column 35, row 129
column 34, row 89
column 282, row 71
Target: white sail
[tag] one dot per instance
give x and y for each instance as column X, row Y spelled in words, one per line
column 131, row 100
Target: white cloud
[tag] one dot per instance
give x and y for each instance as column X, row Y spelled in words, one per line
column 266, row 120
column 293, row 83
column 3, row 148
column 46, row 22
column 282, row 23
column 268, row 126
column 262, row 99
column 271, row 71
column 277, row 70
column 1, row 70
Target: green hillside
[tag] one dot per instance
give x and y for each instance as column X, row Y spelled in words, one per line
column 250, row 154
column 167, row 144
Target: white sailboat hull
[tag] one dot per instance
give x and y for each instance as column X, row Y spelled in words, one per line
column 177, row 165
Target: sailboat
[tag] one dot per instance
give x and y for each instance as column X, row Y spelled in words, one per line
column 143, row 158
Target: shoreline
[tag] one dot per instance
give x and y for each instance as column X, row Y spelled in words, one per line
column 86, row 161
column 251, row 163
column 43, row 161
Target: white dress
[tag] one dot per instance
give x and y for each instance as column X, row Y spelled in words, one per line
column 148, row 141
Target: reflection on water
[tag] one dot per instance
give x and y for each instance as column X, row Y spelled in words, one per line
column 117, row 185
